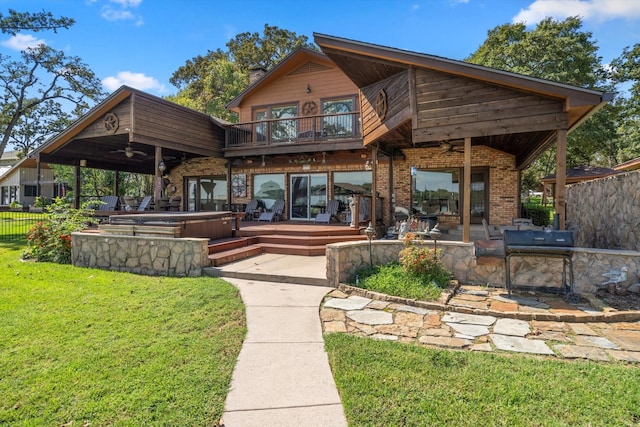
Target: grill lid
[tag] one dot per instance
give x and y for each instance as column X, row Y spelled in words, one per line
column 548, row 238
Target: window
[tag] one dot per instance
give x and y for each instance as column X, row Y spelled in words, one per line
column 4, row 196
column 436, row 192
column 347, row 183
column 268, row 188
column 339, row 121
column 282, row 125
column 206, row 193
column 30, row 190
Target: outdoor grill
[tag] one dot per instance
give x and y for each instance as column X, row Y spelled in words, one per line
column 541, row 243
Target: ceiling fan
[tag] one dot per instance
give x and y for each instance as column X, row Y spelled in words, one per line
column 130, row 152
column 449, row 147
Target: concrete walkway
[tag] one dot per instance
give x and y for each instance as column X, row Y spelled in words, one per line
column 282, row 376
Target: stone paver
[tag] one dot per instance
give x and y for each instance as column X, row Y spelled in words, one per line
column 579, row 352
column 471, row 319
column 371, row 317
column 518, row 328
column 354, row 302
column 520, row 345
column 527, row 324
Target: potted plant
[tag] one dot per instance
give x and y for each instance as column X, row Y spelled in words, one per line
column 15, row 206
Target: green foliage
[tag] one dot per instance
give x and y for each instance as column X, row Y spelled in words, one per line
column 15, row 205
column 419, row 274
column 35, row 92
column 41, row 202
column 50, row 240
column 540, row 215
column 102, row 348
column 208, row 83
column 384, row 383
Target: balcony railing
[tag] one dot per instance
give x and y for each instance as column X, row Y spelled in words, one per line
column 292, row 130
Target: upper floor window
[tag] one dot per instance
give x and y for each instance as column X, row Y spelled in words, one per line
column 281, row 127
column 338, row 121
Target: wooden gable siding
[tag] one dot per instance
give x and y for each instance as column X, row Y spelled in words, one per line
column 451, row 107
column 96, row 128
column 398, row 107
column 170, row 126
column 292, row 88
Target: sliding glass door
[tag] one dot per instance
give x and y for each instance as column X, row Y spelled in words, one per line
column 308, row 195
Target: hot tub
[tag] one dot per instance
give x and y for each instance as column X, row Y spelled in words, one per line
column 210, row 225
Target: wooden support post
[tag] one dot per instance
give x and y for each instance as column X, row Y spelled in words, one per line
column 561, row 176
column 229, row 195
column 374, row 187
column 157, row 185
column 466, row 213
column 76, row 189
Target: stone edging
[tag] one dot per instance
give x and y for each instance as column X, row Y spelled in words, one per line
column 441, row 304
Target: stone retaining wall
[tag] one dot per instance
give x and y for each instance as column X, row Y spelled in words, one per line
column 344, row 259
column 153, row 256
column 605, row 212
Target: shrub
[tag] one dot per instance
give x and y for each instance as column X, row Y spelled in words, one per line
column 15, row 205
column 540, row 215
column 50, row 240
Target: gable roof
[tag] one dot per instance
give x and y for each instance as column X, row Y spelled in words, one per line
column 581, row 173
column 300, row 57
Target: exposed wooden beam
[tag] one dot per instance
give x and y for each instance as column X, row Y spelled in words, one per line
column 561, row 175
column 466, row 213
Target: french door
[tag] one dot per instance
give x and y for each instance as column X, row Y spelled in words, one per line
column 308, row 195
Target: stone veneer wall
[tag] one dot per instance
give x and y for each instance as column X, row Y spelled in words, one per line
column 344, row 259
column 153, row 256
column 605, row 212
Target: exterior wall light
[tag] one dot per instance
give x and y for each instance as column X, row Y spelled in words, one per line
column 161, row 166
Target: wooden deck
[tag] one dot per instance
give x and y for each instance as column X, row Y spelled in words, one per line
column 287, row 237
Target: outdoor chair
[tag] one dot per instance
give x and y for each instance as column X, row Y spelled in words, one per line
column 491, row 232
column 109, row 203
column 521, row 221
column 275, row 214
column 131, row 203
column 330, row 212
column 251, row 209
column 144, row 204
column 174, row 203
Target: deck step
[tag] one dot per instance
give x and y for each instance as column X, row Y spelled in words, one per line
column 233, row 243
column 283, row 239
column 225, row 257
column 301, row 230
column 304, row 250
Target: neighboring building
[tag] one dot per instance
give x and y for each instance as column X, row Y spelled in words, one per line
column 19, row 183
column 443, row 138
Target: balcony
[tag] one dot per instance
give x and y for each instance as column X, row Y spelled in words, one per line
column 295, row 134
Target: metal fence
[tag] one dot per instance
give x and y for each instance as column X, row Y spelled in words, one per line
column 15, row 225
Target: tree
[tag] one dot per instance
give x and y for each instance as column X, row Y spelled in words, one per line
column 207, row 83
column 37, row 88
column 41, row 21
column 626, row 69
column 558, row 51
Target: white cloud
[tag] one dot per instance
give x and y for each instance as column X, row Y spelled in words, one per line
column 121, row 11
column 22, row 42
column 127, row 3
column 594, row 10
column 135, row 80
column 111, row 14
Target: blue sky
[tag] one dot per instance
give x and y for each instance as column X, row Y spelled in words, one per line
column 142, row 42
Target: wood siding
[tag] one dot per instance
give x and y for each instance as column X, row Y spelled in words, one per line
column 398, row 106
column 97, row 129
column 451, row 107
column 292, row 88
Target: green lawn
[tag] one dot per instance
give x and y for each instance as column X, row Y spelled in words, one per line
column 102, row 348
column 391, row 384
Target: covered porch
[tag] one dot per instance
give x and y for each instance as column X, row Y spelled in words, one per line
column 427, row 114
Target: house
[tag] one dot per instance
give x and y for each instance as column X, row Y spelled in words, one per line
column 445, row 139
column 629, row 165
column 19, row 181
column 574, row 175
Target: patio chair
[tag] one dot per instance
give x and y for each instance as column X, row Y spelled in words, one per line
column 109, row 203
column 330, row 212
column 491, row 232
column 144, row 204
column 251, row 209
column 521, row 221
column 174, row 203
column 131, row 203
column 275, row 214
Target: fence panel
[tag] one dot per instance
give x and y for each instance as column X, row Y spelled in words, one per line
column 15, row 225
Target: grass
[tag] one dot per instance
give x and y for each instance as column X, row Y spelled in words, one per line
column 391, row 279
column 14, row 225
column 390, row 384
column 93, row 347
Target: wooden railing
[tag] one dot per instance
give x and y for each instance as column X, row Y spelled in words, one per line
column 308, row 129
